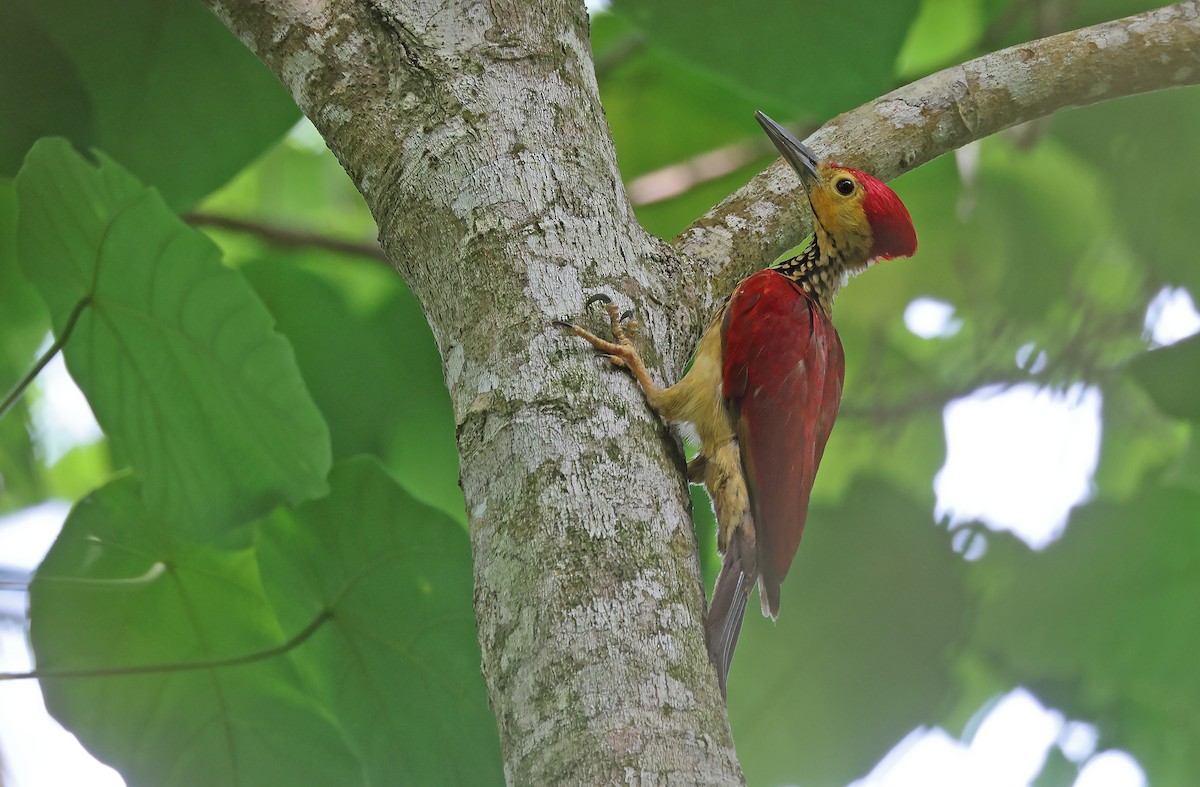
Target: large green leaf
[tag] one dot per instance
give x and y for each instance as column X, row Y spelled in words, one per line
column 174, row 351
column 339, row 648
column 817, row 58
column 40, row 87
column 373, row 368
column 1103, row 625
column 663, row 111
column 161, row 85
column 117, row 591
column 872, row 610
column 361, row 339
column 398, row 663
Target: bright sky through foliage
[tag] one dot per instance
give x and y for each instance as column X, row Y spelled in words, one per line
column 36, row 750
column 1172, row 316
column 931, row 319
column 1007, row 749
column 1019, row 459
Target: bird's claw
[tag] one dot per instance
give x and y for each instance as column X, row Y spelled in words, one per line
column 622, row 325
column 620, row 350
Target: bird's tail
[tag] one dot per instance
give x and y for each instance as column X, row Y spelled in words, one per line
column 739, row 572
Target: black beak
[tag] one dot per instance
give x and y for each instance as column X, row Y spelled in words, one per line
column 803, row 160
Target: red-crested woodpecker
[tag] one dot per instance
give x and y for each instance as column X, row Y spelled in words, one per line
column 766, row 381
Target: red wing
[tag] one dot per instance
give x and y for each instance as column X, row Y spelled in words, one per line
column 783, row 383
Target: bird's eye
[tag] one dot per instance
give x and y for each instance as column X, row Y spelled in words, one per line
column 845, row 187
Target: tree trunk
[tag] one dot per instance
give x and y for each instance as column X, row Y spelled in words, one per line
column 475, row 132
column 480, row 144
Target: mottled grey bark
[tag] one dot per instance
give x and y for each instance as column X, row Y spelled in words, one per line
column 474, row 130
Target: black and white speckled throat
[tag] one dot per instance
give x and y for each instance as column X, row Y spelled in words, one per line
column 819, row 272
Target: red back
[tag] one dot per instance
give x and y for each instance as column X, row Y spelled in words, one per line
column 783, row 382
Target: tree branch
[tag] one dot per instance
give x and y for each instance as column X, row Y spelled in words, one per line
column 288, row 238
column 23, row 384
column 944, row 111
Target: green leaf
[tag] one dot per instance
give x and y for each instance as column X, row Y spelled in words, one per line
column 1086, row 14
column 148, row 81
column 943, row 32
column 79, row 471
column 1033, row 224
column 174, row 351
column 337, row 648
column 906, row 451
column 116, row 591
column 40, row 86
column 1171, row 375
column 373, row 368
column 399, row 663
column 1102, row 624
column 20, row 484
column 23, row 323
column 1186, row 472
column 872, row 609
column 819, row 59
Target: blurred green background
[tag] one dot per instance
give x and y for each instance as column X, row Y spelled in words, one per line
column 1047, row 244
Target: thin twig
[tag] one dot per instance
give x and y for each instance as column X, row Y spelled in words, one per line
column 182, row 666
column 618, row 53
column 11, row 398
column 675, row 179
column 289, row 238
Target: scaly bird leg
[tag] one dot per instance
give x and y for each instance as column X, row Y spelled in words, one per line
column 620, row 351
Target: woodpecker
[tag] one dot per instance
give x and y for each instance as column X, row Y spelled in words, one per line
column 765, row 383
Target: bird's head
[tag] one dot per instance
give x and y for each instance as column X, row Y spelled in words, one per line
column 862, row 220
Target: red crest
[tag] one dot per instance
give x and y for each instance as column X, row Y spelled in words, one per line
column 891, row 227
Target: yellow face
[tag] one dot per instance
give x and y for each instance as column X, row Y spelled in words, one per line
column 841, row 222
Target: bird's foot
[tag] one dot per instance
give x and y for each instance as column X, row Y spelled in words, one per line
column 620, row 351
